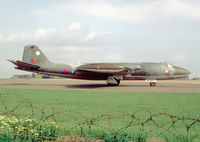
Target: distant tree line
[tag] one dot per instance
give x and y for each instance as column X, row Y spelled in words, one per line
column 33, row 76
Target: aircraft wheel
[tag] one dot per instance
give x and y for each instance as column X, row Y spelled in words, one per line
column 152, row 83
column 111, row 84
column 118, row 82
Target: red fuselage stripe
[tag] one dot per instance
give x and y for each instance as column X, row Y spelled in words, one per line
column 32, row 60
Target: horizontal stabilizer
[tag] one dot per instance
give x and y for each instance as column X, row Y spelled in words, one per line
column 23, row 65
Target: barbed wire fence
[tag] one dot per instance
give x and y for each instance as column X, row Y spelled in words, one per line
column 49, row 124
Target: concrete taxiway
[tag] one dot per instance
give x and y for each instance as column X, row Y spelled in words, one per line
column 174, row 86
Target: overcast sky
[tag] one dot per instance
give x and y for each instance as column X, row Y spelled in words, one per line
column 82, row 31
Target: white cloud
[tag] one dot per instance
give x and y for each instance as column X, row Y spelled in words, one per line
column 131, row 11
column 74, row 34
column 113, row 57
column 14, row 37
column 75, row 26
column 76, row 55
column 43, row 33
column 182, row 8
column 93, row 34
column 178, row 58
column 72, row 44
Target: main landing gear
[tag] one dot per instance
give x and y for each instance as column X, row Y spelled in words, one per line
column 113, row 80
column 152, row 82
column 112, row 84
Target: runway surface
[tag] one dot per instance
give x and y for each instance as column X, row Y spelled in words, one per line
column 175, row 86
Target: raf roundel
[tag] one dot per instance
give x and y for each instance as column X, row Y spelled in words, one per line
column 37, row 53
column 64, row 70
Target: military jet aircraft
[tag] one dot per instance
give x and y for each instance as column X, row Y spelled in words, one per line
column 35, row 61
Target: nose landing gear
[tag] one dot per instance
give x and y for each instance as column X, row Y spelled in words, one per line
column 152, row 82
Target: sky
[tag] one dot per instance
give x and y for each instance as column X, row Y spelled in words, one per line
column 84, row 31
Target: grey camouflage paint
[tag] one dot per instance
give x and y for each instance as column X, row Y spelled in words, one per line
column 35, row 61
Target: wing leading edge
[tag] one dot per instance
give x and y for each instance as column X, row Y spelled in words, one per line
column 102, row 68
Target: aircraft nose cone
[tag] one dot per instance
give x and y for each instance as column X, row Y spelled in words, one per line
column 181, row 71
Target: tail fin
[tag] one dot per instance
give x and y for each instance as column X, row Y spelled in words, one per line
column 33, row 55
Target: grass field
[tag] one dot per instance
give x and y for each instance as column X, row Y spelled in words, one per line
column 91, row 104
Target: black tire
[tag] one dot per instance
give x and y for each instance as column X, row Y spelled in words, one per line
column 118, row 82
column 152, row 83
column 110, row 84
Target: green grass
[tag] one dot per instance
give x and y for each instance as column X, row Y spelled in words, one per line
column 93, row 104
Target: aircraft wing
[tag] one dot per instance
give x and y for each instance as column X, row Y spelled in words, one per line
column 102, row 68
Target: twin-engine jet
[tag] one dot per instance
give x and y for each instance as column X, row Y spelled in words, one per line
column 35, row 61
